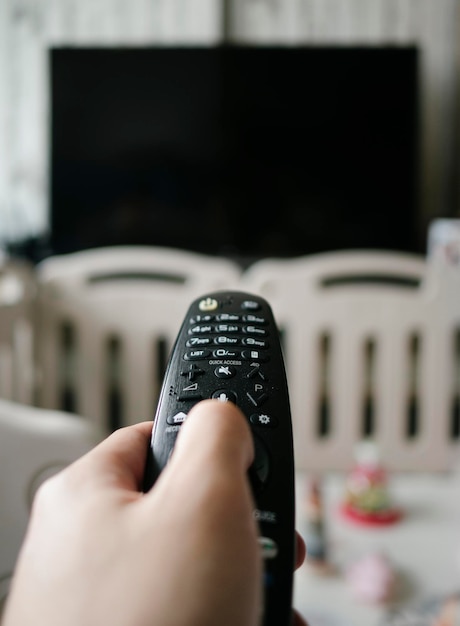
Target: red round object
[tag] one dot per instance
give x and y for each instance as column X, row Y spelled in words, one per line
column 381, row 518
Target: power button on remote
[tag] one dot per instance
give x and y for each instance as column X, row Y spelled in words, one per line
column 208, row 304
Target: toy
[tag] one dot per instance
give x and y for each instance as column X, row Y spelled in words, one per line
column 372, row 578
column 315, row 530
column 367, row 499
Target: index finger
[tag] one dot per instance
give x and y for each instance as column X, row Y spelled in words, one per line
column 118, row 461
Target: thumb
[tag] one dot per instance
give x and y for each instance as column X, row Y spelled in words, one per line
column 215, row 432
column 212, row 454
column 203, row 497
column 206, row 477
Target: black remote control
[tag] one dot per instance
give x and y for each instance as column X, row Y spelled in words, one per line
column 229, row 348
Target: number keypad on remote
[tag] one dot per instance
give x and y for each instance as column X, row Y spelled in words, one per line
column 242, row 332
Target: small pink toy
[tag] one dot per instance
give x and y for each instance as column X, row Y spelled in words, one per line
column 371, row 578
column 367, row 500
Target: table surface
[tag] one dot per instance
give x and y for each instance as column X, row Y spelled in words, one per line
column 423, row 549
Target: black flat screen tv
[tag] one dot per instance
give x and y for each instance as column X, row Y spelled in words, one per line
column 241, row 151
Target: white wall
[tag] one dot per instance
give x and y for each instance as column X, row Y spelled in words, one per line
column 29, row 27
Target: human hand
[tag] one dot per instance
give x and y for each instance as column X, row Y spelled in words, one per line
column 99, row 551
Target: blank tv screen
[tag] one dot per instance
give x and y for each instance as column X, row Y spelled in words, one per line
column 243, row 151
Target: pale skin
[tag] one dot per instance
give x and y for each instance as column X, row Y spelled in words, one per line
column 99, row 551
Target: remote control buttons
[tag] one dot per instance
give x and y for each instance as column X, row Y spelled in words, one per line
column 194, row 355
column 250, row 305
column 268, row 547
column 224, row 353
column 254, row 319
column 254, row 330
column 260, row 467
column 264, row 420
column 225, row 371
column 257, row 398
column 191, row 392
column 193, row 342
column 228, row 317
column 208, row 304
column 225, row 396
column 178, row 418
column 201, row 319
column 201, row 329
column 255, row 343
column 254, row 355
column 256, row 372
column 227, row 341
column 192, row 372
column 227, row 328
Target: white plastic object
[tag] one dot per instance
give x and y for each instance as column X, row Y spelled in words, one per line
column 34, row 444
column 374, row 331
column 134, row 295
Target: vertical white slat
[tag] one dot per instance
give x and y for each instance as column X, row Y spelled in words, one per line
column 69, row 22
column 138, row 373
column 91, row 382
column 324, row 21
column 93, row 23
column 53, row 22
column 395, row 391
column 115, row 22
column 268, row 21
column 47, row 358
column 302, row 378
column 449, row 318
column 391, row 387
column 156, row 369
column 16, row 319
column 145, row 24
column 251, row 21
column 345, row 22
column 195, row 21
column 6, row 371
column 361, row 21
column 23, row 367
column 304, row 21
column 435, row 380
column 402, row 19
column 347, row 392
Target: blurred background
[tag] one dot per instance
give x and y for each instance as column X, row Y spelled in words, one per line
column 304, row 150
column 243, row 129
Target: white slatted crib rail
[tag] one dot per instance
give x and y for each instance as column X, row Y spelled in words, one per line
column 106, row 321
column 17, row 291
column 372, row 350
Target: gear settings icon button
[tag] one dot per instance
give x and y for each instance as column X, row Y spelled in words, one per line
column 263, row 419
